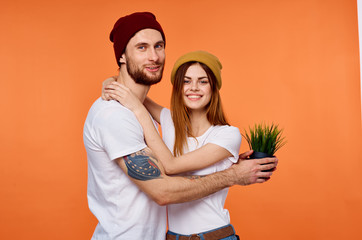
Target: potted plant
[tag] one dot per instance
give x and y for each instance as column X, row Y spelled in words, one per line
column 265, row 140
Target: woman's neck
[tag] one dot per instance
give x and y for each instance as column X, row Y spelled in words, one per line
column 199, row 123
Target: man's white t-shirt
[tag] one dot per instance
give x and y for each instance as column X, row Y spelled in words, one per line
column 122, row 209
column 206, row 213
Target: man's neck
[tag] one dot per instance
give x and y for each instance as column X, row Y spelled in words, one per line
column 138, row 89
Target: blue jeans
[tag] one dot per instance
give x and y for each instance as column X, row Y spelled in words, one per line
column 232, row 237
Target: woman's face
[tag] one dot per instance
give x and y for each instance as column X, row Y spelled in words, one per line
column 196, row 88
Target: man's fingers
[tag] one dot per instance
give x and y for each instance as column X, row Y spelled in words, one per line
column 245, row 154
column 265, row 174
column 267, row 160
column 262, row 180
column 265, row 167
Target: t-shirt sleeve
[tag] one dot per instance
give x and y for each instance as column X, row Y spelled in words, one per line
column 228, row 137
column 167, row 128
column 119, row 132
column 165, row 119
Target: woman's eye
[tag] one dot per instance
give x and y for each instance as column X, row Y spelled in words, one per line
column 187, row 81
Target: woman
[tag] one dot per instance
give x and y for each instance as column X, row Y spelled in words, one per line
column 197, row 133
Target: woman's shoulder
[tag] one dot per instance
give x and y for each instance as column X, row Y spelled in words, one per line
column 165, row 115
column 225, row 131
column 165, row 111
column 226, row 128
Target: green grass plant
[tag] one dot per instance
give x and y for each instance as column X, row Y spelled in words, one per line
column 265, row 138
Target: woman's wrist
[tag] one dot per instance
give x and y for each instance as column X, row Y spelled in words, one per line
column 140, row 111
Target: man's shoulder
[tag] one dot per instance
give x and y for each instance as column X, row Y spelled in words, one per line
column 109, row 119
column 100, row 105
column 105, row 108
column 106, row 112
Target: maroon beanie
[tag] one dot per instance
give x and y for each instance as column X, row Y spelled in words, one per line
column 126, row 27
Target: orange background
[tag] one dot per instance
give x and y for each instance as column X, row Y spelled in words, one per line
column 293, row 62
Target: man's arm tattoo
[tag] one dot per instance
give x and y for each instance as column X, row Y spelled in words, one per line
column 141, row 166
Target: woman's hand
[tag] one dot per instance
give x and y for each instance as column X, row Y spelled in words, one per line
column 123, row 95
column 104, row 86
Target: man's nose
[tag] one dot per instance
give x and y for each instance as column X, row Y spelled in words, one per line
column 153, row 55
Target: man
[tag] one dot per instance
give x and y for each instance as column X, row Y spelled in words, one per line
column 127, row 186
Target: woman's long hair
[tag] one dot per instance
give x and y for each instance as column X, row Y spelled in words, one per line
column 180, row 113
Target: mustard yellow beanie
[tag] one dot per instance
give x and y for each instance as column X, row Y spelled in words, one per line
column 200, row 56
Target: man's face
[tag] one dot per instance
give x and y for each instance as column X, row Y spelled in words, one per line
column 145, row 57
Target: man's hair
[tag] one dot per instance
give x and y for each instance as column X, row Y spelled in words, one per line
column 180, row 113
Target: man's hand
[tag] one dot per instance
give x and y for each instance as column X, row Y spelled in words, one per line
column 250, row 171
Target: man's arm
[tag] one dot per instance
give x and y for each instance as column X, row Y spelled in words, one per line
column 147, row 172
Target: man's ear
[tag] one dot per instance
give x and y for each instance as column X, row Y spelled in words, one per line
column 122, row 59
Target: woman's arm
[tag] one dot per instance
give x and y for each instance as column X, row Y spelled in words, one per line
column 200, row 158
column 153, row 108
column 195, row 160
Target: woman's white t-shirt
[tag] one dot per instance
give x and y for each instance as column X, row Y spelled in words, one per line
column 206, row 213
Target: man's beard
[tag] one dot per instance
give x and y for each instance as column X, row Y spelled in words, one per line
column 140, row 77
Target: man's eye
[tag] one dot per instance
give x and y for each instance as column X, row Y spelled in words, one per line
column 141, row 47
column 160, row 46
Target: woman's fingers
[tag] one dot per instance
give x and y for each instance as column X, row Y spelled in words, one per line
column 119, row 89
column 120, row 93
